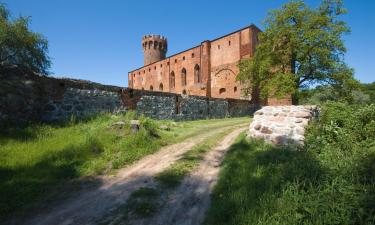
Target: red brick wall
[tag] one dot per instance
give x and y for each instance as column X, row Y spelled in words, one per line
column 217, row 60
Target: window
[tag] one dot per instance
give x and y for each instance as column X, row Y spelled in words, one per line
column 222, row 90
column 167, row 63
column 144, row 71
column 183, row 58
column 192, row 55
column 149, row 69
column 235, row 89
column 161, row 65
column 229, row 43
column 139, row 72
column 184, row 92
column 197, row 74
column 218, row 47
column 183, row 77
column 161, row 87
column 172, row 80
column 154, row 67
column 151, row 88
column 175, row 60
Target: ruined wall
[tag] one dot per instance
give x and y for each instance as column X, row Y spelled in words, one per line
column 27, row 97
column 282, row 125
column 181, row 107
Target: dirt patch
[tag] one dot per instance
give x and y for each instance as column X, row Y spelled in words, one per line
column 90, row 206
column 188, row 204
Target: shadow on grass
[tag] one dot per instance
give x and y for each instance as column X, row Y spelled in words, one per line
column 253, row 177
column 49, row 178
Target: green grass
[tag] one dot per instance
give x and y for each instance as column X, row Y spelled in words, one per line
column 36, row 161
column 142, row 202
column 330, row 181
column 172, row 176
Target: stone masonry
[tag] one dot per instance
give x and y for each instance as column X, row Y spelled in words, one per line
column 282, row 125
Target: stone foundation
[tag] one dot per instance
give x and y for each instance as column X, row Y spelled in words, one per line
column 282, row 125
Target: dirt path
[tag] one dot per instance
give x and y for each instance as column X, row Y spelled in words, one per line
column 188, row 204
column 91, row 206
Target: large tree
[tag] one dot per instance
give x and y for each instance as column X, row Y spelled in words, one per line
column 300, row 46
column 21, row 47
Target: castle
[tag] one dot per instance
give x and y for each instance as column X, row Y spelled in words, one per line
column 209, row 69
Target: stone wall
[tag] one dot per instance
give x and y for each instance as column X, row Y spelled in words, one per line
column 81, row 103
column 161, row 105
column 27, row 97
column 282, row 125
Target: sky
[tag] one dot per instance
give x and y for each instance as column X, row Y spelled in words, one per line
column 100, row 40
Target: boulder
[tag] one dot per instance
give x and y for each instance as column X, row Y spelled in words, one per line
column 134, row 125
column 281, row 125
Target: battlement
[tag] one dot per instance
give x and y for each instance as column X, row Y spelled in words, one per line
column 154, row 37
column 154, row 47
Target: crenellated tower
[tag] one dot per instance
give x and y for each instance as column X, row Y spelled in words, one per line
column 154, row 48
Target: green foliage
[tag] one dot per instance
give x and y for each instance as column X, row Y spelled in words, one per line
column 331, row 182
column 21, row 47
column 300, row 46
column 322, row 94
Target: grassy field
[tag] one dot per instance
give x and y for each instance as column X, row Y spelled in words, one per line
column 40, row 158
column 330, row 181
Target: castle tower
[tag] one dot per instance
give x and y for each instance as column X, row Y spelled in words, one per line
column 154, row 48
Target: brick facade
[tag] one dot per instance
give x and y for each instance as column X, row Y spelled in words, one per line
column 209, row 69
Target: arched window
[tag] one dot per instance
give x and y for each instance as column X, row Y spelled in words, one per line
column 235, row 89
column 184, row 92
column 161, row 87
column 172, row 80
column 222, row 90
column 197, row 74
column 149, row 44
column 183, row 77
column 151, row 88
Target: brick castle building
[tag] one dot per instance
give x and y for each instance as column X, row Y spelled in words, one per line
column 209, row 69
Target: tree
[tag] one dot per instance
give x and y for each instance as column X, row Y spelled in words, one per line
column 300, row 46
column 19, row 46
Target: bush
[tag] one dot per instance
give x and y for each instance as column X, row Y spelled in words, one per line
column 331, row 181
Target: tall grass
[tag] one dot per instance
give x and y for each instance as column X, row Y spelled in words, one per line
column 332, row 181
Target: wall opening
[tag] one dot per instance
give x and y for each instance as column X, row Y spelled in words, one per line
column 183, row 77
column 184, row 92
column 151, row 88
column 172, row 80
column 197, row 74
column 161, row 87
column 235, row 89
column 222, row 90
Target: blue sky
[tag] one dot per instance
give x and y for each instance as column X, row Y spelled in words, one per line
column 101, row 40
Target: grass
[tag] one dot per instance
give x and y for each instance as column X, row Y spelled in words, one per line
column 173, row 176
column 37, row 160
column 142, row 202
column 330, row 181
